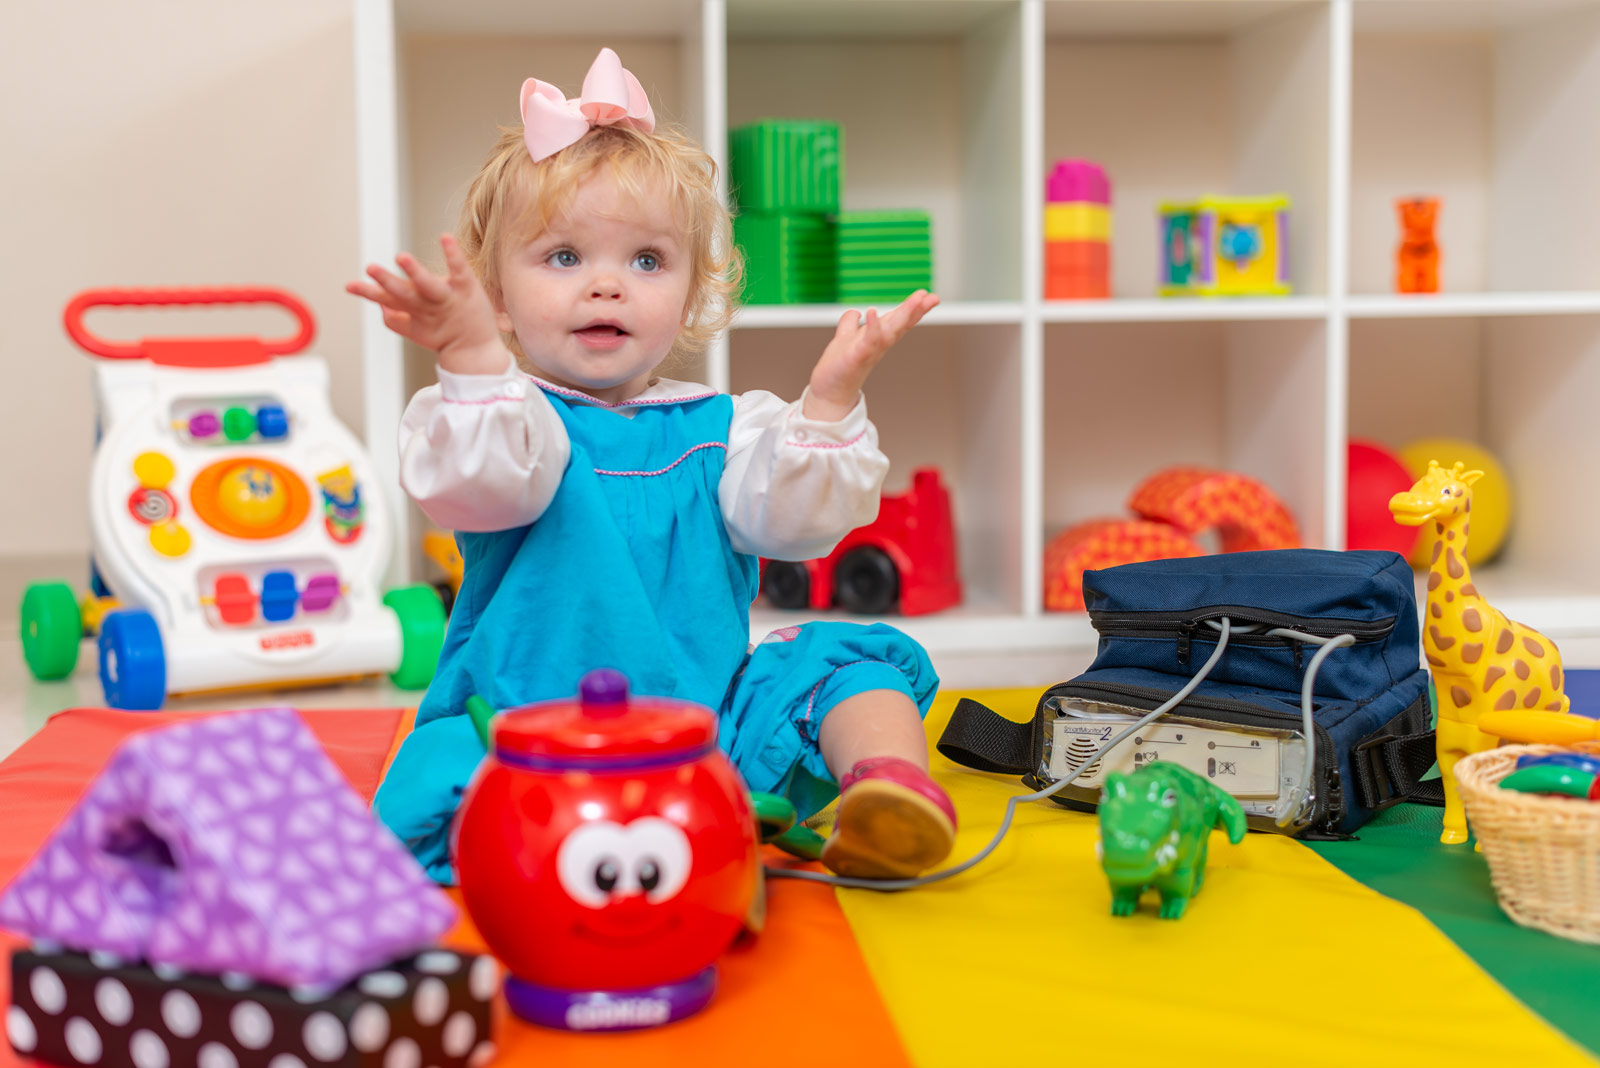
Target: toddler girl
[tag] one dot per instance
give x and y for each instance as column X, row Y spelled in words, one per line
column 608, row 517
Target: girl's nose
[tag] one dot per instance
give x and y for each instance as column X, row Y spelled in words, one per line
column 605, row 286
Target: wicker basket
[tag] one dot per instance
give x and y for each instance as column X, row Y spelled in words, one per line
column 1543, row 851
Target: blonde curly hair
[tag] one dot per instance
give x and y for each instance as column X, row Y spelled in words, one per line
column 513, row 199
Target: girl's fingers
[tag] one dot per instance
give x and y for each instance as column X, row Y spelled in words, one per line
column 454, row 258
column 849, row 323
column 429, row 285
column 372, row 293
column 401, row 290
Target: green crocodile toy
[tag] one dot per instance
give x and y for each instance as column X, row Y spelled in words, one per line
column 1155, row 825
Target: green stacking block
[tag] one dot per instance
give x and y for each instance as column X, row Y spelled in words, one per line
column 884, row 256
column 785, row 166
column 788, row 259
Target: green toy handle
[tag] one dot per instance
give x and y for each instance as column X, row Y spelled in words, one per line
column 481, row 712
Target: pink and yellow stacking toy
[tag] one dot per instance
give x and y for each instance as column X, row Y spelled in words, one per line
column 1077, row 232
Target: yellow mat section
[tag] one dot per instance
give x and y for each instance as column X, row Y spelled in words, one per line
column 1280, row 960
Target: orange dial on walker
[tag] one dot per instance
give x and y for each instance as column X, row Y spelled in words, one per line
column 249, row 497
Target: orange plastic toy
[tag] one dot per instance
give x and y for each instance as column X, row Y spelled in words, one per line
column 1105, row 543
column 1244, row 512
column 1482, row 662
column 1417, row 261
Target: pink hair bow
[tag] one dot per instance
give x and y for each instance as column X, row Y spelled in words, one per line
column 611, row 94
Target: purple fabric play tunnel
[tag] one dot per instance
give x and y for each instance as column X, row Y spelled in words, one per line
column 229, row 845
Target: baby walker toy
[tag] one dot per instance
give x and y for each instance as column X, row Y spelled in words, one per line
column 236, row 523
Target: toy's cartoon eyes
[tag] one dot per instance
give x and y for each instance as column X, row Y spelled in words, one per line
column 1169, row 798
column 601, row 861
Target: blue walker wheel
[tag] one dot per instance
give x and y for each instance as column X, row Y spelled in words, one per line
column 133, row 667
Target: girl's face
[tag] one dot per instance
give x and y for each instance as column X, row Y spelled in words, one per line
column 597, row 299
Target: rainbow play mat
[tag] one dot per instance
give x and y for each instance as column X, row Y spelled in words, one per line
column 1387, row 950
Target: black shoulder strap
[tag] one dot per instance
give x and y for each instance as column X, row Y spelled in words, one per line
column 979, row 737
column 1389, row 768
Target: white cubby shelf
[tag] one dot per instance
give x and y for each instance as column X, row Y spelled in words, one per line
column 1043, row 414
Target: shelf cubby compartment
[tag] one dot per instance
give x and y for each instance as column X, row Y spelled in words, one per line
column 928, row 96
column 1123, row 401
column 1490, row 106
column 947, row 397
column 1524, row 388
column 1182, row 99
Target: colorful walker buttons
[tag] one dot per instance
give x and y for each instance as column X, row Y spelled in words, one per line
column 272, row 421
column 252, row 496
column 153, row 470
column 238, row 424
column 321, row 592
column 236, row 602
column 169, row 538
column 278, row 596
column 151, row 506
column 204, row 425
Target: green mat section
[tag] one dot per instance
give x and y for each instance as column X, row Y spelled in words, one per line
column 1399, row 855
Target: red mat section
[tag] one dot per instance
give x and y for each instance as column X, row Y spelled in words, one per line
column 798, row 993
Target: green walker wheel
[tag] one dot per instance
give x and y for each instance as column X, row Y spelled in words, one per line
column 52, row 628
column 422, row 624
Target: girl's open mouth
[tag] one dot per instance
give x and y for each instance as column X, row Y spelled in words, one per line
column 601, row 335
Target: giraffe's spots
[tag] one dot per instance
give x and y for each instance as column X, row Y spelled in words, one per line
column 1449, row 595
column 1508, row 701
column 1438, row 547
column 1466, row 530
column 1532, row 698
column 1469, row 590
column 1449, row 535
column 1491, row 676
column 1521, row 668
column 1460, row 696
column 1555, row 678
column 1438, row 528
column 1452, row 564
column 1440, row 641
column 1469, row 504
column 1471, row 653
column 1471, row 620
column 1532, row 646
column 1502, row 644
column 1553, row 706
column 1434, row 578
column 1435, row 661
column 1435, row 611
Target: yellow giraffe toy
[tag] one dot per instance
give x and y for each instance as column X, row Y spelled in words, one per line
column 1480, row 659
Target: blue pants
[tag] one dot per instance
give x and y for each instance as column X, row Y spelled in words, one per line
column 768, row 725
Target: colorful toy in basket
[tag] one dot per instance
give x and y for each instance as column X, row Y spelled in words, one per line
column 904, row 561
column 1482, row 662
column 1417, row 259
column 1225, row 247
column 607, row 853
column 1077, row 232
column 237, row 523
column 220, row 895
column 1155, row 830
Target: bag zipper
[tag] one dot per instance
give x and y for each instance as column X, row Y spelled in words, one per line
column 1184, row 625
column 1326, row 797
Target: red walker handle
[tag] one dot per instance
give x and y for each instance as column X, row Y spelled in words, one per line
column 191, row 351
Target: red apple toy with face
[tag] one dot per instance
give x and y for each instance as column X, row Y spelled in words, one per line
column 607, row 852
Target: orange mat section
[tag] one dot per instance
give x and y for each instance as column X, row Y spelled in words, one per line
column 785, row 997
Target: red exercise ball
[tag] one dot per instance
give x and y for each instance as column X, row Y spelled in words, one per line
column 1375, row 474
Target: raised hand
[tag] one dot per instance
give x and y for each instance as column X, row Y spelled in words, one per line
column 450, row 315
column 855, row 350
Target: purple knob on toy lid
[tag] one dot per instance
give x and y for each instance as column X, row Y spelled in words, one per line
column 229, row 844
column 1077, row 180
column 603, row 693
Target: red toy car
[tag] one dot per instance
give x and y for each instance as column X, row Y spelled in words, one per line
column 905, row 559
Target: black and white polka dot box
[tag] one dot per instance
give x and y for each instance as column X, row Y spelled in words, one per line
column 73, row 1009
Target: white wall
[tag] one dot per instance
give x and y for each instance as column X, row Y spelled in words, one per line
column 164, row 142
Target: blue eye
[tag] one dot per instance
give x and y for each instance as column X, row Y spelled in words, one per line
column 564, row 257
column 647, row 261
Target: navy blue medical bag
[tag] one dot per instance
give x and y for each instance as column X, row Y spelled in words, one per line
column 1158, row 622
